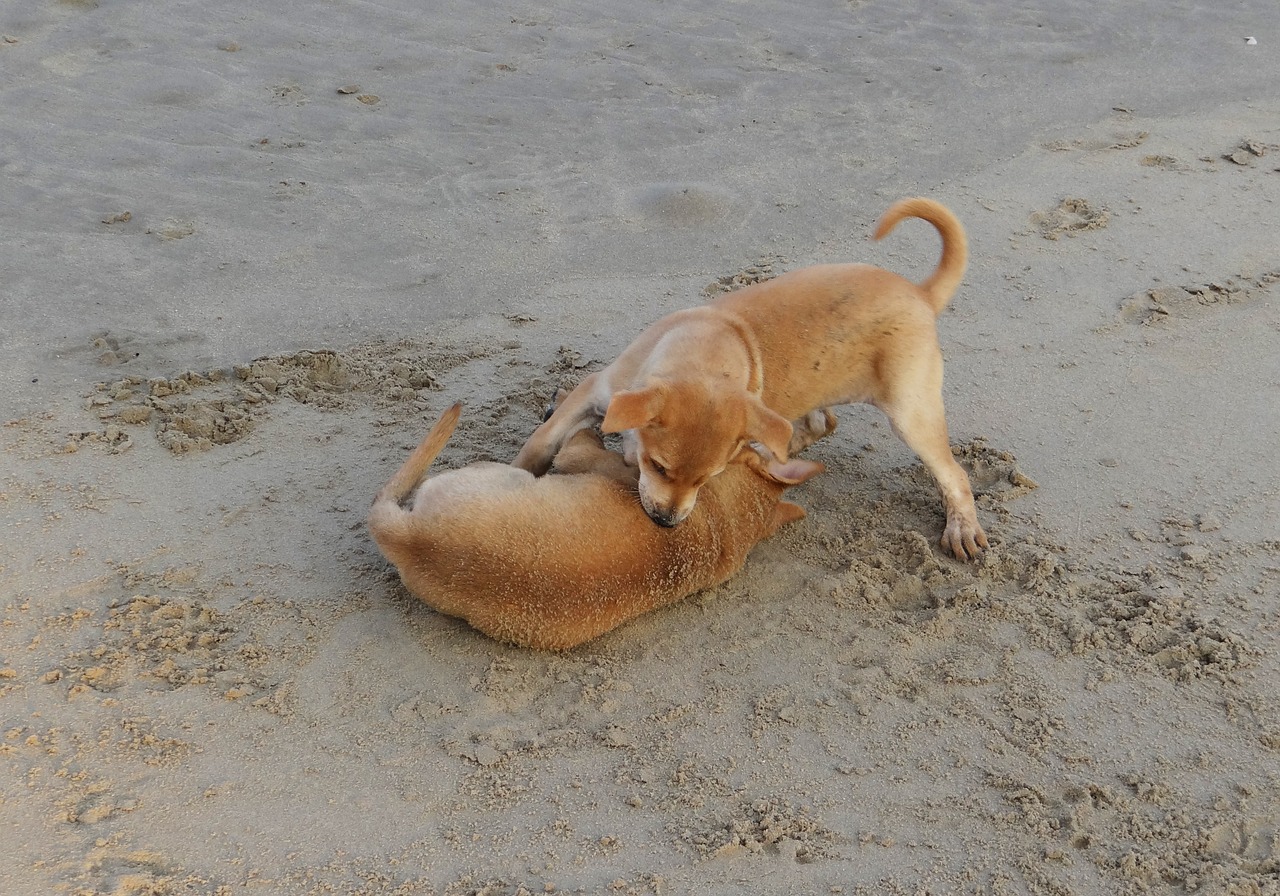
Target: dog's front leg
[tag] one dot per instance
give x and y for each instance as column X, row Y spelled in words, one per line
column 630, row 448
column 579, row 408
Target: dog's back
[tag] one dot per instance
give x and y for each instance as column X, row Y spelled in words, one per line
column 827, row 333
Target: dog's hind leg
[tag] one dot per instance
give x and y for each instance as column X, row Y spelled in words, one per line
column 922, row 425
column 810, row 428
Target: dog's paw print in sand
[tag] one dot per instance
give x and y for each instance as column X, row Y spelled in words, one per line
column 1118, row 140
column 766, row 826
column 1167, row 162
column 185, row 416
column 1155, row 623
column 994, row 474
column 569, row 362
column 112, row 350
column 159, row 641
column 1248, row 152
column 172, row 229
column 1212, row 851
column 1154, row 307
column 160, row 632
column 756, row 273
column 196, row 411
column 1070, row 216
column 289, row 93
column 109, row 869
column 128, row 351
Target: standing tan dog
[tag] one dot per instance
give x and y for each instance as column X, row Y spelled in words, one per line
column 554, row 561
column 698, row 385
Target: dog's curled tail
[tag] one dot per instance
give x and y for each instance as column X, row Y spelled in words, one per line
column 942, row 283
column 386, row 516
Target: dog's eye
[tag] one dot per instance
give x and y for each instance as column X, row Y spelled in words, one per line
column 658, row 468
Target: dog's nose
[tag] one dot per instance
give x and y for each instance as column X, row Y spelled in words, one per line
column 665, row 520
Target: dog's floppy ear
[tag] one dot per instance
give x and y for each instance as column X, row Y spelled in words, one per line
column 770, row 429
column 793, row 472
column 631, row 410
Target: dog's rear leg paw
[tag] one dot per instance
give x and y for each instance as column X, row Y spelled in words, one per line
column 561, row 394
column 810, row 428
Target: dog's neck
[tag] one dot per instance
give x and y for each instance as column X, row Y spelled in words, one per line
column 755, row 361
column 736, row 357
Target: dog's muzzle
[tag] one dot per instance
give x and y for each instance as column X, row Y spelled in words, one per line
column 665, row 520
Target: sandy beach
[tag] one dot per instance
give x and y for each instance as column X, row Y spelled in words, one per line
column 251, row 253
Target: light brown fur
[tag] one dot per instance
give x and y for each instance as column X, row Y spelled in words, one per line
column 699, row 384
column 554, row 561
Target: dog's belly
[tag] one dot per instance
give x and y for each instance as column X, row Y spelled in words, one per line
column 831, row 373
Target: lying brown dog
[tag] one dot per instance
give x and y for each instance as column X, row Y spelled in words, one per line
column 698, row 385
column 554, row 561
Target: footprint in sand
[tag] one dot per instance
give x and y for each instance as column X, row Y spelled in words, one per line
column 1166, row 303
column 1070, row 216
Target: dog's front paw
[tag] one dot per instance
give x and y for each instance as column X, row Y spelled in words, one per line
column 964, row 538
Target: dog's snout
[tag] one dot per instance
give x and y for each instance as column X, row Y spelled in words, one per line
column 667, row 514
column 665, row 519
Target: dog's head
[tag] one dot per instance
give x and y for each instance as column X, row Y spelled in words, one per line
column 686, row 433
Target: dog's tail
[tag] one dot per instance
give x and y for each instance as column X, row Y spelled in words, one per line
column 942, row 283
column 386, row 516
